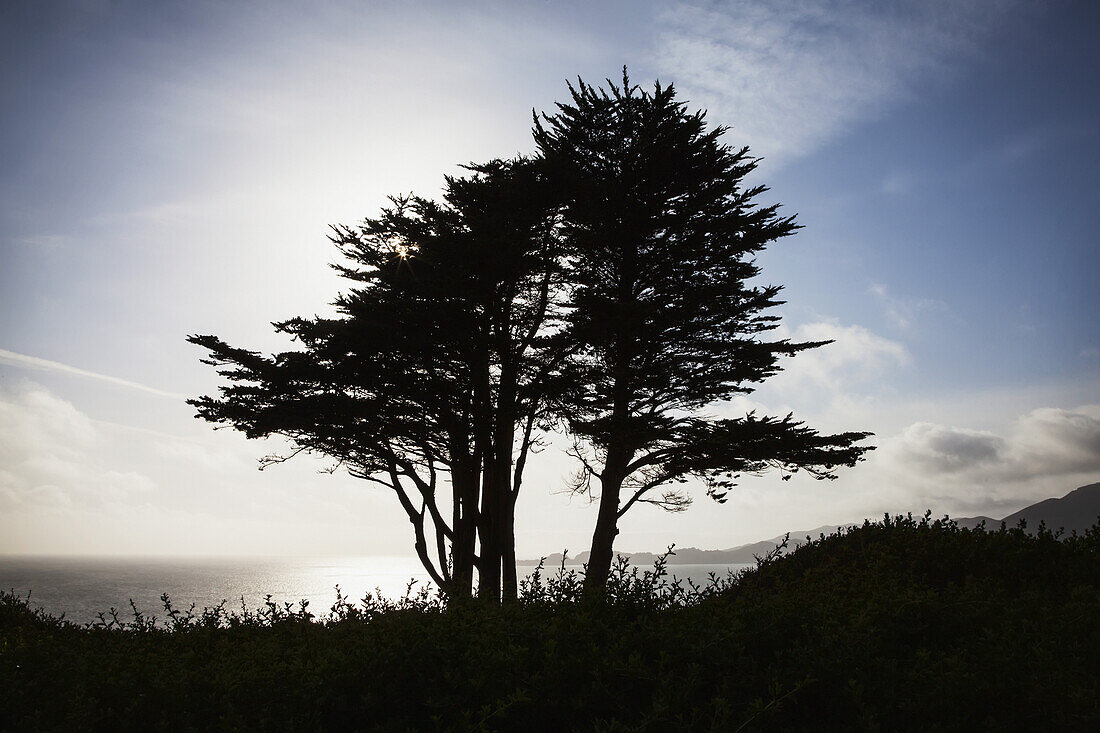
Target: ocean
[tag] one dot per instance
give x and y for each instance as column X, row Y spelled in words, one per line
column 81, row 588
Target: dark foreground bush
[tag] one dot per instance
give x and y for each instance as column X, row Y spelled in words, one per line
column 900, row 625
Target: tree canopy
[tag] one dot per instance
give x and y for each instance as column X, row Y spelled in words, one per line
column 662, row 234
column 432, row 374
column 605, row 286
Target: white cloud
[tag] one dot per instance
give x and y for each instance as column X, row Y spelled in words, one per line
column 72, row 484
column 855, row 354
column 48, row 450
column 790, row 75
column 1051, row 441
column 43, row 440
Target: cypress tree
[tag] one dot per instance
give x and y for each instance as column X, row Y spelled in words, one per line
column 434, row 370
column 661, row 232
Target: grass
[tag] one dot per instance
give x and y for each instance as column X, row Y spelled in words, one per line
column 905, row 624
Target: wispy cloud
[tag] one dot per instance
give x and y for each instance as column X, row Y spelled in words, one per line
column 904, row 312
column 43, row 241
column 24, row 361
column 790, row 75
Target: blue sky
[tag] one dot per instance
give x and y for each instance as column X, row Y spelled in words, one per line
column 171, row 168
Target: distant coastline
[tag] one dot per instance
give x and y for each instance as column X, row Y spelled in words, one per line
column 1075, row 512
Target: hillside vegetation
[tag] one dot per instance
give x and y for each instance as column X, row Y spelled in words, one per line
column 903, row 624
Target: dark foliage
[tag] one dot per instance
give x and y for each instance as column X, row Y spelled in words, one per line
column 431, row 381
column 899, row 625
column 663, row 231
column 606, row 285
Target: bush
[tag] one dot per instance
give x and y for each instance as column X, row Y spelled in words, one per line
column 903, row 624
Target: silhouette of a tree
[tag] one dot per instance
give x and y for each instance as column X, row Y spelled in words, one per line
column 661, row 234
column 435, row 371
column 604, row 286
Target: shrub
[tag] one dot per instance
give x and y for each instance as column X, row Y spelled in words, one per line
column 901, row 624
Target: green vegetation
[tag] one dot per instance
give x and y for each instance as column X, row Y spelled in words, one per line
column 904, row 624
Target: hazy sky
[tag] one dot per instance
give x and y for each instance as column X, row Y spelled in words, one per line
column 171, row 168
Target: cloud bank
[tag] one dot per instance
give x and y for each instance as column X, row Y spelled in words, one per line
column 48, row 457
column 1045, row 442
column 72, row 484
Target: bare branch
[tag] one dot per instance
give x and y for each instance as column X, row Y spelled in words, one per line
column 416, row 518
column 673, row 501
column 273, row 458
column 581, row 481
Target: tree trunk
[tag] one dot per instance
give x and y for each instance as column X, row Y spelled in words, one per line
column 607, row 523
column 618, row 453
column 465, row 514
column 504, row 437
column 488, row 584
column 509, row 581
column 615, row 462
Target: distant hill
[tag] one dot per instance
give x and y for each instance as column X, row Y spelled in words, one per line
column 1076, row 511
column 972, row 522
column 695, row 556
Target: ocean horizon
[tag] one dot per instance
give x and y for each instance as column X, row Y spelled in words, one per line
column 82, row 587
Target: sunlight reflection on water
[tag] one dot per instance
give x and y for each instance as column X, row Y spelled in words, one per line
column 83, row 587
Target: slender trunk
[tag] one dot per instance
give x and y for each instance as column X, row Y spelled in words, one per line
column 421, row 546
column 416, row 518
column 509, row 581
column 615, row 462
column 488, row 567
column 488, row 585
column 464, row 482
column 503, row 443
column 607, row 521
